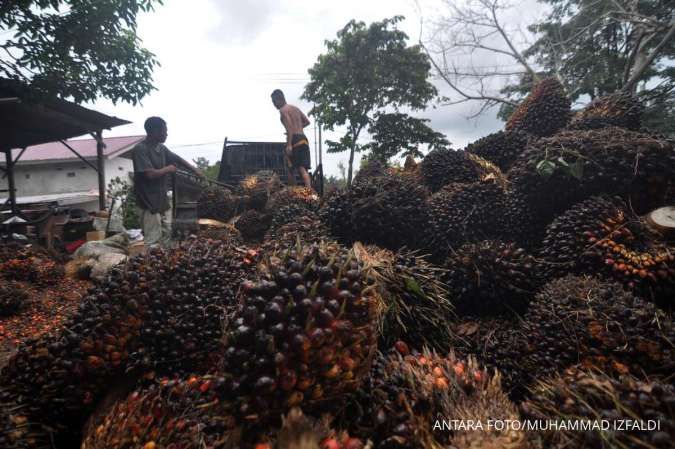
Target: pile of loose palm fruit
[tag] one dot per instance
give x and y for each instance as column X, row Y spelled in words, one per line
column 481, row 298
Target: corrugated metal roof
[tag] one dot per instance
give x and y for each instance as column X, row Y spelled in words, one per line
column 86, row 147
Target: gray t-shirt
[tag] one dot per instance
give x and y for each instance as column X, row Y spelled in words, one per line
column 151, row 194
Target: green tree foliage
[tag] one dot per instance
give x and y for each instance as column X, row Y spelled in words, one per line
column 79, row 49
column 596, row 47
column 400, row 134
column 210, row 171
column 364, row 70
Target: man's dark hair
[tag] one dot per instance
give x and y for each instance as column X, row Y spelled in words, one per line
column 278, row 94
column 154, row 124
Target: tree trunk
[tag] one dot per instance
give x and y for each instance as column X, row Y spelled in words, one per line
column 643, row 63
column 351, row 165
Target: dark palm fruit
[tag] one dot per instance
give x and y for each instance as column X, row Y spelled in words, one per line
column 294, row 195
column 30, row 264
column 501, row 148
column 389, row 211
column 405, row 393
column 489, row 278
column 303, row 335
column 253, row 224
column 336, row 214
column 589, row 395
column 417, row 306
column 12, row 298
column 621, row 109
column 596, row 323
column 370, row 169
column 462, row 213
column 166, row 317
column 228, row 234
column 544, row 112
column 304, row 226
column 218, row 203
column 443, row 166
column 289, row 214
column 636, row 165
column 601, row 235
column 258, row 188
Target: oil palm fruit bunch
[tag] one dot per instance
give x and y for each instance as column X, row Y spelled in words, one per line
column 259, row 187
column 371, row 168
column 16, row 429
column 294, row 195
column 490, row 277
column 389, row 211
column 416, row 305
column 253, row 224
column 305, row 227
column 461, row 213
column 631, row 408
column 556, row 172
column 621, row 109
column 161, row 311
column 12, row 298
column 408, row 396
column 501, row 148
column 601, row 235
column 544, row 112
column 228, row 234
column 499, row 343
column 336, row 214
column 444, row 166
column 517, row 221
column 217, row 203
column 19, row 270
column 598, row 324
column 290, row 213
column 188, row 413
column 304, row 331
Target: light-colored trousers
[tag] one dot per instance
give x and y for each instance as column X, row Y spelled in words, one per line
column 156, row 227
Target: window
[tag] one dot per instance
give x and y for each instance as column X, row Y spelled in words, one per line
column 71, row 174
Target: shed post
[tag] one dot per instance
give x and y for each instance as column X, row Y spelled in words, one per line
column 101, row 169
column 9, row 163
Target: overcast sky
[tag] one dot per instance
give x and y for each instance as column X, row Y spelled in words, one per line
column 221, row 59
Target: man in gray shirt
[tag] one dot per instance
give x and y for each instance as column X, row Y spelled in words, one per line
column 153, row 165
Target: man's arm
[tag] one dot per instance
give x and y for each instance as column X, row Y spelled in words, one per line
column 177, row 160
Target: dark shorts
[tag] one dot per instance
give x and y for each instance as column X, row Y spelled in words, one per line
column 300, row 156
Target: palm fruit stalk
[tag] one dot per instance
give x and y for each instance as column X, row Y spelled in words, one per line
column 559, row 171
column 625, row 404
column 161, row 311
column 622, row 109
column 336, row 214
column 416, row 305
column 12, row 298
column 218, row 203
column 598, row 324
column 545, row 111
column 258, row 188
column 461, row 213
column 304, row 331
column 294, row 195
column 253, row 224
column 601, row 235
column 490, row 278
column 407, row 395
column 389, row 211
column 501, row 148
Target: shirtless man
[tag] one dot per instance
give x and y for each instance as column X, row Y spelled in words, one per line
column 297, row 145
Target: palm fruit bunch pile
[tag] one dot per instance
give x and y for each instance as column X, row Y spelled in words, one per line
column 598, row 324
column 258, row 188
column 253, row 224
column 444, row 166
column 490, row 278
column 461, row 213
column 16, row 429
column 389, row 211
column 304, row 332
column 12, row 298
column 600, row 235
column 626, row 404
column 416, row 305
column 407, row 396
column 26, row 264
column 336, row 213
column 544, row 112
column 303, row 226
column 501, row 148
column 371, row 168
column 228, row 234
column 294, row 195
column 622, row 109
column 290, row 213
column 217, row 203
column 162, row 311
column 586, row 163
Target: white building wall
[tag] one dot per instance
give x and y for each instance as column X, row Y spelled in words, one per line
column 64, row 177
